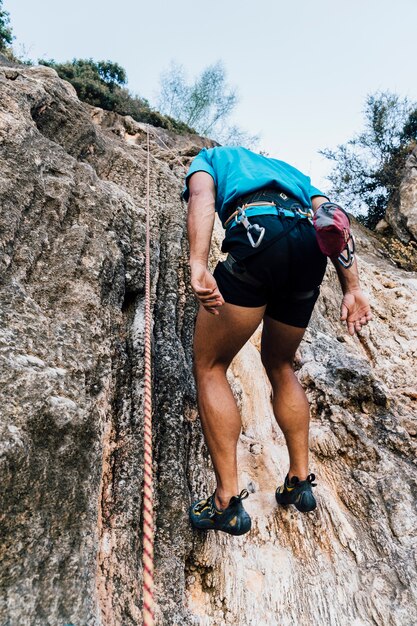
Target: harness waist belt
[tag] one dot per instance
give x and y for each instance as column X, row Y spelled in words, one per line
column 266, row 201
column 264, row 209
column 268, row 194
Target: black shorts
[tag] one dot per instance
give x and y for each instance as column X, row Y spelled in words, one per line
column 290, row 270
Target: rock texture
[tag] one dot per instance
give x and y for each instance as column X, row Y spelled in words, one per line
column 72, row 188
column 402, row 215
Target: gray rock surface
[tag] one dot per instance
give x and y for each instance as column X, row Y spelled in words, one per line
column 72, row 236
column 402, row 215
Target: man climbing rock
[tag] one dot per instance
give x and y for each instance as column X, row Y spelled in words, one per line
column 272, row 273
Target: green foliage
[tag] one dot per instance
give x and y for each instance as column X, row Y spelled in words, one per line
column 368, row 168
column 205, row 104
column 102, row 84
column 6, row 35
column 97, row 83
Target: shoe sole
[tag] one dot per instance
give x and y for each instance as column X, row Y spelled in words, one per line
column 224, row 530
column 306, row 508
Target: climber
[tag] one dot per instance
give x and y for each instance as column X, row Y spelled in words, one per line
column 273, row 273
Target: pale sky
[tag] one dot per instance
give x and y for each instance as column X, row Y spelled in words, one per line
column 302, row 69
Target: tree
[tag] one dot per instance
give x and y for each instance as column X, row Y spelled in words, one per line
column 102, row 84
column 6, row 35
column 95, row 82
column 205, row 104
column 111, row 73
column 368, row 168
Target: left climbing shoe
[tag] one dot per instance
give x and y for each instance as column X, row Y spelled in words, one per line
column 234, row 520
column 297, row 492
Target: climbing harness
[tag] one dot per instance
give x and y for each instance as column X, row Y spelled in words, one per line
column 148, row 523
column 282, row 205
column 239, row 271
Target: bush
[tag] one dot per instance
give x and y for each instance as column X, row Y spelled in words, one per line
column 102, row 84
column 369, row 168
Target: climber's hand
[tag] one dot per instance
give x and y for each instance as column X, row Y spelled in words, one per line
column 205, row 288
column 355, row 310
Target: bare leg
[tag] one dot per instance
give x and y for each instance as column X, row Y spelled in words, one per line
column 290, row 404
column 217, row 339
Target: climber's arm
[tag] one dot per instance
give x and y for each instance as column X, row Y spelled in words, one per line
column 201, row 213
column 200, row 222
column 316, row 201
column 355, row 309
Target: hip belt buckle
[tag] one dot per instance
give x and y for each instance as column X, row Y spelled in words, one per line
column 241, row 218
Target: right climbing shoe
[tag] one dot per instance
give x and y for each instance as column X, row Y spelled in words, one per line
column 234, row 520
column 297, row 492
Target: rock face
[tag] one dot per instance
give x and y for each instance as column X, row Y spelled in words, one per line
column 402, row 216
column 72, row 228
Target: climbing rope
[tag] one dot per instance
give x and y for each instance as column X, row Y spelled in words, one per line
column 148, row 523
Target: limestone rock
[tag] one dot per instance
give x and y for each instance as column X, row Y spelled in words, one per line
column 402, row 215
column 72, row 236
column 382, row 226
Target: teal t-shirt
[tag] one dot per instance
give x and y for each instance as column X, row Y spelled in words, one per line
column 238, row 171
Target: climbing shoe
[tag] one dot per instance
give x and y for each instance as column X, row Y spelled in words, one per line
column 234, row 520
column 297, row 492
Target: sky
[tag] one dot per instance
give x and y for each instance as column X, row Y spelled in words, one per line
column 302, row 69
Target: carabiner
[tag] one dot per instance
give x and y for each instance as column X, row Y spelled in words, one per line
column 241, row 218
column 261, row 232
column 309, row 214
column 347, row 261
